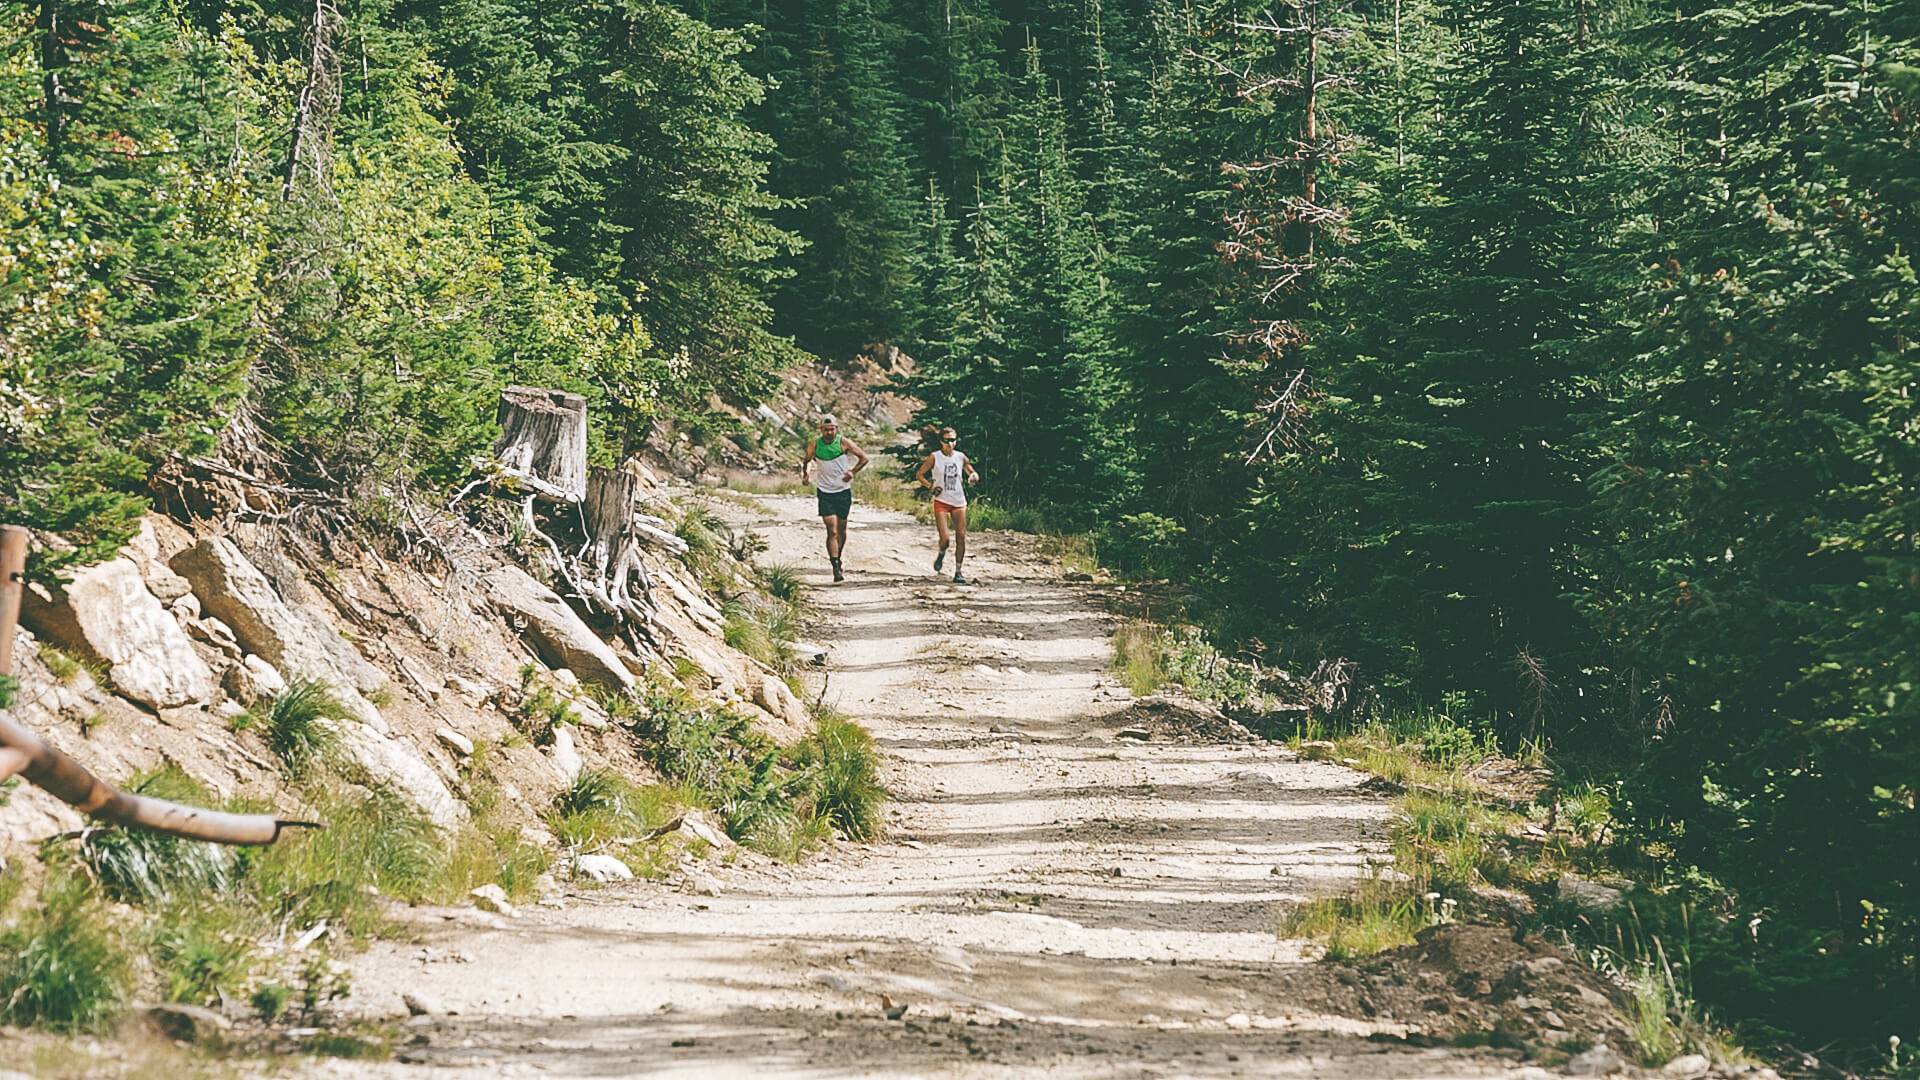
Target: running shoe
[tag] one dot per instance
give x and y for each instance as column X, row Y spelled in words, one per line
column 837, row 575
column 961, row 579
column 939, row 560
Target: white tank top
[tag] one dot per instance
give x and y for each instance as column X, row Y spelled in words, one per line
column 950, row 477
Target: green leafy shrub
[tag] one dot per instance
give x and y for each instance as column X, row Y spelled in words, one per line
column 1145, row 543
column 63, row 965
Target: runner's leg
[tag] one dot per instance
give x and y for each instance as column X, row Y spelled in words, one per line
column 959, row 538
column 833, row 536
column 940, row 523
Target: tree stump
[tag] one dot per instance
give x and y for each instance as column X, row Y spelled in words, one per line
column 612, row 554
column 543, row 440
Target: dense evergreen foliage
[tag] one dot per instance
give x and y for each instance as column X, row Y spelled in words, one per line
column 1554, row 358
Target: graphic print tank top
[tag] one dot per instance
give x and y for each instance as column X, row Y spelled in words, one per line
column 950, row 477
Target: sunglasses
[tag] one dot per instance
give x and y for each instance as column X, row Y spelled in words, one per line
column 949, row 438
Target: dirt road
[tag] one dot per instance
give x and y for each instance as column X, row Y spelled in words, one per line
column 1052, row 900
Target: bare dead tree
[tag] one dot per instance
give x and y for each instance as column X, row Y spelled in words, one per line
column 310, row 147
column 1275, row 234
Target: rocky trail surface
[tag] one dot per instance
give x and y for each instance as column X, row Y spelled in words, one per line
column 1052, row 898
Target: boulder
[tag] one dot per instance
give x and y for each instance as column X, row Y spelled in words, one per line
column 371, row 758
column 1687, row 1065
column 253, row 680
column 105, row 613
column 1597, row 1060
column 566, row 759
column 300, row 644
column 601, row 868
column 560, row 637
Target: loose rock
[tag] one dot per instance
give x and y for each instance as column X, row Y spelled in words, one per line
column 561, row 638
column 601, row 868
column 454, row 741
column 188, row 1023
column 493, row 898
column 1597, row 1060
column 1687, row 1065
column 1588, row 895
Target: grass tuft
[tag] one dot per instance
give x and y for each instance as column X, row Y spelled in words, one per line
column 840, row 770
column 137, row 866
column 63, row 966
column 783, row 583
column 296, row 723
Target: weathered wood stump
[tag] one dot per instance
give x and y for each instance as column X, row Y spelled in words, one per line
column 543, row 440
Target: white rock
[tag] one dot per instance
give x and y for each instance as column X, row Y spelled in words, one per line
column 371, row 758
column 454, row 741
column 491, row 897
column 254, row 680
column 467, row 688
column 1597, row 1060
column 229, row 710
column 701, row 883
column 773, row 695
column 105, row 613
column 565, row 758
column 185, row 608
column 696, row 825
column 1240, row 1022
column 601, row 868
column 1687, row 1065
column 559, row 635
column 810, row 652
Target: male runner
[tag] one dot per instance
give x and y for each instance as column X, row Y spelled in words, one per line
column 951, row 472
column 839, row 461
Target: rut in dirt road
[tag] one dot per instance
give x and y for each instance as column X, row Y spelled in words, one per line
column 1050, row 900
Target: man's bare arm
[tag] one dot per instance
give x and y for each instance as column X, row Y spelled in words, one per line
column 807, row 459
column 858, row 453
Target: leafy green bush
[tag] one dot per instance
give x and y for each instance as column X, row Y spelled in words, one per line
column 63, row 965
column 1145, row 543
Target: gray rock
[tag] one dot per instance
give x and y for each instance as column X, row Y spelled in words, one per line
column 561, row 638
column 696, row 825
column 1588, row 895
column 297, row 642
column 1687, row 1065
column 188, row 1023
column 700, row 883
column 1597, row 1060
column 416, row 1006
column 566, row 759
column 601, row 868
column 106, row 614
column 773, row 695
column 217, row 634
column 811, row 653
column 493, row 898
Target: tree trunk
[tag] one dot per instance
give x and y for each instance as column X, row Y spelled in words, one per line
column 543, row 440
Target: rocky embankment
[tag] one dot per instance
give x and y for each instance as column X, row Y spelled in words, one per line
column 154, row 657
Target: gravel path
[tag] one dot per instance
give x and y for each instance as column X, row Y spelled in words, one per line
column 1051, row 900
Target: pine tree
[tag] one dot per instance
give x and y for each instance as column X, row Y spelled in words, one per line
column 140, row 233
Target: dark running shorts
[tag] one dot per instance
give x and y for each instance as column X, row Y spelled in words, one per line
column 834, row 503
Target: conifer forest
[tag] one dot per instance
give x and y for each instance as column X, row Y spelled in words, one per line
column 1552, row 362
